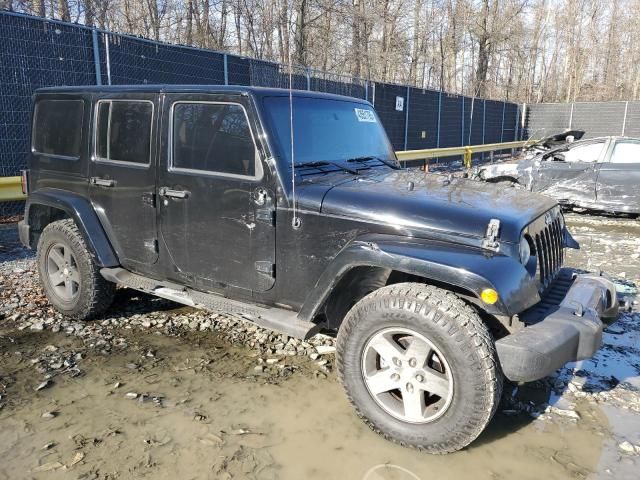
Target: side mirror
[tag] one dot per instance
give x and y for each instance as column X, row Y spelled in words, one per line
column 558, row 157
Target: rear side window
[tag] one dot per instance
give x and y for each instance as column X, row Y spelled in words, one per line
column 626, row 152
column 57, row 128
column 123, row 131
column 213, row 137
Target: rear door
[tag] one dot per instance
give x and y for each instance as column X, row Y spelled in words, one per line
column 123, row 175
column 619, row 178
column 572, row 179
column 216, row 206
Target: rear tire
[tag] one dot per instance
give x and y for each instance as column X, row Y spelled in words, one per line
column 437, row 382
column 69, row 276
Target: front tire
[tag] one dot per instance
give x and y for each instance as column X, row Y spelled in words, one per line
column 419, row 366
column 69, row 276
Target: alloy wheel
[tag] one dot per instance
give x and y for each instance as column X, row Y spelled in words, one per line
column 62, row 272
column 407, row 375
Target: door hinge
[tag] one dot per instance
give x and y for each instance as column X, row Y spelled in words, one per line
column 149, row 198
column 156, row 246
column 266, row 216
column 266, row 267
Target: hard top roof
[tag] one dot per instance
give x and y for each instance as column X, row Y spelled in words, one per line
column 255, row 91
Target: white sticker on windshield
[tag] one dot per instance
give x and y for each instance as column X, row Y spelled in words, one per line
column 365, row 115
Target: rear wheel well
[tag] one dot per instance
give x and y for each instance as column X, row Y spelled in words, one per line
column 40, row 216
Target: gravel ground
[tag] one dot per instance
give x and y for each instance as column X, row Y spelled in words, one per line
column 610, row 381
column 24, row 304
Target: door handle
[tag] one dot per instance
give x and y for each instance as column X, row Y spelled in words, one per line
column 167, row 192
column 103, row 182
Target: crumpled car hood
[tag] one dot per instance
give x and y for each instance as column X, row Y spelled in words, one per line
column 515, row 168
column 411, row 200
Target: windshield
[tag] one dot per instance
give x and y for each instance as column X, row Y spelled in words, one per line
column 326, row 130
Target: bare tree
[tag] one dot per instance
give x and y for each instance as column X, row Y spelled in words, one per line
column 524, row 50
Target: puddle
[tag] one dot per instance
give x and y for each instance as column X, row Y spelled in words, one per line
column 611, row 244
column 215, row 420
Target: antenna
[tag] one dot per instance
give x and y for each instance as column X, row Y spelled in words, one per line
column 295, row 221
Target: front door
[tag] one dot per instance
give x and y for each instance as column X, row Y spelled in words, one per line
column 571, row 178
column 123, row 176
column 619, row 178
column 216, row 204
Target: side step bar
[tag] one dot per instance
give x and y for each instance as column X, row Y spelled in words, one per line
column 278, row 319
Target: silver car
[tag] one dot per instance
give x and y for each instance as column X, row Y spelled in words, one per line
column 599, row 174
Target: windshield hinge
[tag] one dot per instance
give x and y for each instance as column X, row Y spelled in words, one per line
column 266, row 267
column 490, row 240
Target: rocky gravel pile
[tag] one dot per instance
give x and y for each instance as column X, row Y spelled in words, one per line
column 23, row 306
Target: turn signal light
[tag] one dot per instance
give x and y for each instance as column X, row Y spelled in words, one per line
column 489, row 295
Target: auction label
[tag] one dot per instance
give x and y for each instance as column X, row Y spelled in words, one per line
column 364, row 115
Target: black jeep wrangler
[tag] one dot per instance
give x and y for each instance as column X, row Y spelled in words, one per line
column 290, row 209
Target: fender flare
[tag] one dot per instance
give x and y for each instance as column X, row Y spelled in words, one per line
column 81, row 211
column 466, row 267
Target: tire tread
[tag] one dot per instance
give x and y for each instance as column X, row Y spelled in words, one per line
column 97, row 292
column 468, row 325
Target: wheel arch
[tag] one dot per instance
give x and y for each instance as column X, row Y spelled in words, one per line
column 49, row 205
column 462, row 270
column 357, row 282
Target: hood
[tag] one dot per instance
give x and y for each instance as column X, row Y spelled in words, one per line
column 511, row 168
column 412, row 201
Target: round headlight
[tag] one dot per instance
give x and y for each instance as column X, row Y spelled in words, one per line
column 525, row 250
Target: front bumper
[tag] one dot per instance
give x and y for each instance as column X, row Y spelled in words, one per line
column 569, row 331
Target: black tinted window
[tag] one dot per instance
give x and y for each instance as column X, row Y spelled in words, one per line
column 124, row 131
column 212, row 137
column 57, row 127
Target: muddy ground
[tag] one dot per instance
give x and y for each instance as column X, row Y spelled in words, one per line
column 155, row 390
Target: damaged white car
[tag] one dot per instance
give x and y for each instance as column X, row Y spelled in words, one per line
column 598, row 174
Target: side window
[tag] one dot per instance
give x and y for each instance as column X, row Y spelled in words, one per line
column 123, row 131
column 57, row 128
column 584, row 153
column 626, row 152
column 212, row 137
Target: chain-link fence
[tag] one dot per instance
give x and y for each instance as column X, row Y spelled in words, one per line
column 597, row 119
column 37, row 52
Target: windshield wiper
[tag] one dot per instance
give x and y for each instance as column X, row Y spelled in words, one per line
column 323, row 163
column 373, row 157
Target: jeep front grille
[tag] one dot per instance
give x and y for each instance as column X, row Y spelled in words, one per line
column 549, row 250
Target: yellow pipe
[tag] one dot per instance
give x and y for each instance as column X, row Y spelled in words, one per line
column 11, row 189
column 408, row 155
